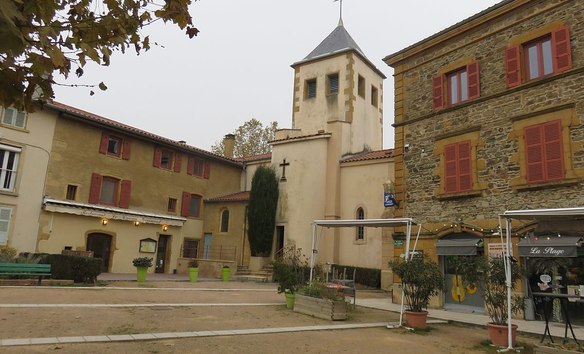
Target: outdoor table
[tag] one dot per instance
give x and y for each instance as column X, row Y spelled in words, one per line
column 547, row 300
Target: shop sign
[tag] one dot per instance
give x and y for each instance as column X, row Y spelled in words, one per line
column 398, row 243
column 547, row 251
column 496, row 249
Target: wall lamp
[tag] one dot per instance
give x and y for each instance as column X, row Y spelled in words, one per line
column 104, row 221
column 164, row 227
column 136, row 223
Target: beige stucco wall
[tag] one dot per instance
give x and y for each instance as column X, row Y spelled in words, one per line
column 35, row 141
column 235, row 237
column 362, row 186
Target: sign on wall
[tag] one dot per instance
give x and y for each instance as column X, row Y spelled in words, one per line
column 496, row 249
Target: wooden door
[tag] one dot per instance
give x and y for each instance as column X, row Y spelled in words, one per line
column 101, row 245
column 161, row 254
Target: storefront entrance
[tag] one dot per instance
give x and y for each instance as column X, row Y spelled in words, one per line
column 100, row 244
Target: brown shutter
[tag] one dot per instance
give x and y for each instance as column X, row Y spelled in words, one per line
column 177, row 161
column 438, row 92
column 95, row 188
column 450, row 169
column 190, row 165
column 512, row 66
column 103, row 143
column 474, row 85
column 464, row 166
column 126, row 149
column 562, row 52
column 186, row 204
column 125, row 194
column 554, row 157
column 157, row 157
column 534, row 153
column 206, row 170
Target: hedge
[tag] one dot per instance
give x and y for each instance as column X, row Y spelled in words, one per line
column 365, row 276
column 78, row 269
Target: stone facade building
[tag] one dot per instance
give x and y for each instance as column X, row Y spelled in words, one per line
column 488, row 118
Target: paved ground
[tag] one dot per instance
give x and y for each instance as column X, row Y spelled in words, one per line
column 170, row 315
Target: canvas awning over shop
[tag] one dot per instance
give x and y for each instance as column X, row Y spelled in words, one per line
column 550, row 246
column 458, row 246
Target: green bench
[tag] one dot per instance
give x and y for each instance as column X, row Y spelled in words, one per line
column 40, row 270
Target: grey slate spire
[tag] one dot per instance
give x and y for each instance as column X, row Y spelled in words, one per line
column 337, row 41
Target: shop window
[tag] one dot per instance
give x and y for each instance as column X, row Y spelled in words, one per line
column 460, row 85
column 113, row 145
column 539, row 57
column 109, row 191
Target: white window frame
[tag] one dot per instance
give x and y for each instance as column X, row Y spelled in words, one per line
column 14, row 117
column 6, row 174
column 4, row 225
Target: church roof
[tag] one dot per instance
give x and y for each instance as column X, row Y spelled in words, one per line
column 235, row 197
column 369, row 155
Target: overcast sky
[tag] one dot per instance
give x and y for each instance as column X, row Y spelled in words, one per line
column 238, row 67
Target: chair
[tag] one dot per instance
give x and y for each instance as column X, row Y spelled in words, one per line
column 348, row 283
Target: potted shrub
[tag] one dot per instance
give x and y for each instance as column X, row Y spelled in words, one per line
column 288, row 272
column 193, row 270
column 316, row 299
column 142, row 264
column 226, row 273
column 421, row 279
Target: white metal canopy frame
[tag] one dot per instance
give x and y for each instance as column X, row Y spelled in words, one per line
column 529, row 214
column 393, row 222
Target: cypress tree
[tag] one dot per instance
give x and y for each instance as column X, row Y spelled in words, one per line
column 261, row 211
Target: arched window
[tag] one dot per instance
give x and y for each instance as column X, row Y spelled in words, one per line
column 360, row 229
column 225, row 220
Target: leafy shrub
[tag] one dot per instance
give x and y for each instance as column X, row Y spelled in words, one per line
column 319, row 290
column 289, row 270
column 142, row 262
column 7, row 254
column 421, row 279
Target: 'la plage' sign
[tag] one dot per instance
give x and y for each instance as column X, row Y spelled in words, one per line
column 548, row 251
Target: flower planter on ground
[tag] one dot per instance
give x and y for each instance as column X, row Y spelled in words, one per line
column 193, row 275
column 498, row 334
column 326, row 309
column 290, row 299
column 141, row 274
column 226, row 273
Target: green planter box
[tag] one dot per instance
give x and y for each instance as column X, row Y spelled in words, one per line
column 226, row 274
column 141, row 273
column 193, row 275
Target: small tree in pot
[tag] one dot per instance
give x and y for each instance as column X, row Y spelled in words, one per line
column 142, row 264
column 289, row 273
column 421, row 279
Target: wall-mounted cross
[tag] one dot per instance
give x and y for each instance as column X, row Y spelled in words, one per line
column 283, row 165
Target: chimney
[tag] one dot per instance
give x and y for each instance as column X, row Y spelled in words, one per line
column 228, row 144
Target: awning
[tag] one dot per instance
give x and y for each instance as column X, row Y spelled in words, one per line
column 552, row 246
column 458, row 246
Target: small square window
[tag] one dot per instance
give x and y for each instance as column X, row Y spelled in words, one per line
column 172, row 205
column 333, row 84
column 190, row 248
column 114, row 146
column 310, row 88
column 14, row 117
column 361, row 86
column 71, row 192
column 166, row 159
column 374, row 98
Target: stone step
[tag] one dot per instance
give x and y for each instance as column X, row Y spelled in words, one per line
column 254, row 278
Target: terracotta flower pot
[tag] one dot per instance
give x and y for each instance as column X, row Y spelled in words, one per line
column 498, row 334
column 416, row 319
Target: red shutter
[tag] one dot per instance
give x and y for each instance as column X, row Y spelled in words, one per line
column 95, row 188
column 450, row 169
column 474, row 85
column 512, row 66
column 126, row 149
column 562, row 52
column 438, row 92
column 534, row 153
column 186, row 204
column 464, row 166
column 554, row 157
column 103, row 143
column 190, row 165
column 206, row 170
column 177, row 161
column 157, row 157
column 125, row 194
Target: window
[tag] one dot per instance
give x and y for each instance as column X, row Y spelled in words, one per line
column 198, row 167
column 116, row 146
column 14, row 117
column 109, row 191
column 333, row 84
column 360, row 229
column 191, row 205
column 461, row 85
column 310, row 88
column 361, row 86
column 167, row 159
column 543, row 152
column 71, row 192
column 225, row 221
column 5, row 214
column 457, row 167
column 8, row 163
column 171, row 205
column 539, row 57
column 374, row 98
column 190, row 248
